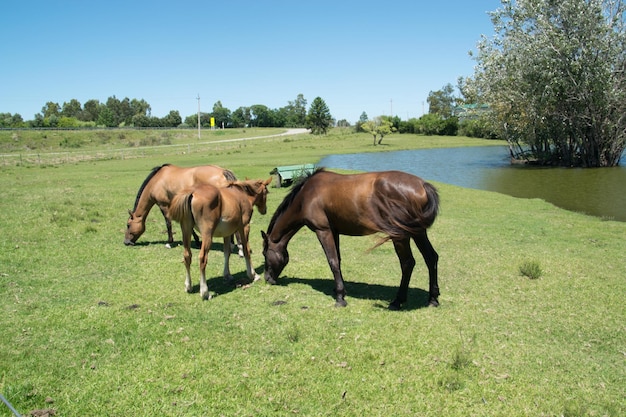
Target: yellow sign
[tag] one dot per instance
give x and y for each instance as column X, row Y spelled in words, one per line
column 212, row 121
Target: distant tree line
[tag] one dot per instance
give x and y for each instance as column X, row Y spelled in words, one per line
column 137, row 113
column 449, row 114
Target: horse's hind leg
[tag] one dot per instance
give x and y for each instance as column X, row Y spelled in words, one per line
column 407, row 263
column 239, row 244
column 431, row 258
column 227, row 249
column 207, row 239
column 187, row 256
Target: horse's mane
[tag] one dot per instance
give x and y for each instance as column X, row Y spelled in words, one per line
column 146, row 181
column 248, row 187
column 295, row 189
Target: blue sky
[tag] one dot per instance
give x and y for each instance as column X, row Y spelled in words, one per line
column 378, row 57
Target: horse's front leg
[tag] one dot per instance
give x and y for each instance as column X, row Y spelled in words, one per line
column 245, row 245
column 431, row 257
column 207, row 240
column 168, row 226
column 407, row 263
column 330, row 244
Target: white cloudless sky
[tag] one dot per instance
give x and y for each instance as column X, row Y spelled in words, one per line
column 378, row 57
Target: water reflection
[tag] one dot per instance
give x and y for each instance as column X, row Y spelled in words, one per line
column 599, row 192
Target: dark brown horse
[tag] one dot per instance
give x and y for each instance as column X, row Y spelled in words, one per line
column 159, row 188
column 218, row 212
column 398, row 205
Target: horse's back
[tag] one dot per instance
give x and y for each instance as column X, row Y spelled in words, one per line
column 205, row 197
column 366, row 185
column 211, row 174
column 173, row 179
column 368, row 202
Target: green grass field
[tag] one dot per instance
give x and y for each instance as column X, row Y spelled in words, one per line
column 91, row 327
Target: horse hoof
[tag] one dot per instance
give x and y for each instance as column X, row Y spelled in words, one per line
column 168, row 246
column 394, row 306
column 256, row 277
column 270, row 281
column 433, row 303
column 341, row 303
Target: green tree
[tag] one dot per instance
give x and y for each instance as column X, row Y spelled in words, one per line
column 91, row 108
column 51, row 109
column 241, row 117
column 67, row 122
column 72, row 109
column 114, row 115
column 359, row 125
column 379, row 128
column 319, row 119
column 554, row 76
column 11, row 120
column 141, row 120
column 295, row 112
column 261, row 116
column 173, row 119
column 139, row 107
column 221, row 114
column 442, row 101
column 106, row 117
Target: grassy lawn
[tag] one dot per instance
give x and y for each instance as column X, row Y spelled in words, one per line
column 91, row 327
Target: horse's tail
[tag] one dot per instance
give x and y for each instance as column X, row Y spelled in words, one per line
column 398, row 220
column 229, row 175
column 431, row 208
column 180, row 207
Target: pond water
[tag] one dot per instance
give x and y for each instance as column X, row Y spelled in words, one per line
column 598, row 192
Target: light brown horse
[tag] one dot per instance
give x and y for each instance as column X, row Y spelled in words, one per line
column 159, row 188
column 401, row 206
column 218, row 212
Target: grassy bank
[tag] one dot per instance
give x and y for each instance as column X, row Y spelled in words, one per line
column 91, row 327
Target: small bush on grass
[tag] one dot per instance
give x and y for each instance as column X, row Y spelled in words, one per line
column 530, row 269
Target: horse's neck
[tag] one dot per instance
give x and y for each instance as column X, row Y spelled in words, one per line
column 283, row 231
column 145, row 203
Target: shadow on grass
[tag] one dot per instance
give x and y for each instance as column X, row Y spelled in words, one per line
column 383, row 294
column 216, row 245
column 218, row 286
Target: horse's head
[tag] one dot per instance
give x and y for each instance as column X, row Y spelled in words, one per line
column 276, row 257
column 135, row 226
column 261, row 195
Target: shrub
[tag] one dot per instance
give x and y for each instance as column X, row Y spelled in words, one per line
column 530, row 269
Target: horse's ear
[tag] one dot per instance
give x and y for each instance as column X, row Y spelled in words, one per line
column 130, row 213
column 268, row 181
column 263, row 235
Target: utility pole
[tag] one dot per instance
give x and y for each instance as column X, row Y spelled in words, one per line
column 198, row 116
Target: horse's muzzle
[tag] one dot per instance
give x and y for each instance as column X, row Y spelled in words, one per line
column 129, row 242
column 269, row 279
